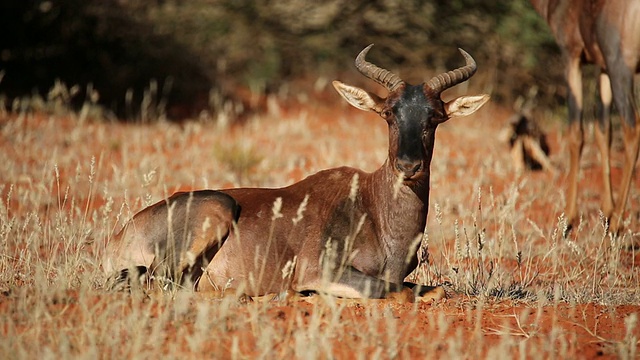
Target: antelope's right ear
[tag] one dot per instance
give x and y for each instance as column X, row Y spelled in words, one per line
column 359, row 98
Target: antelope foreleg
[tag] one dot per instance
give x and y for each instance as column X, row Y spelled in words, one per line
column 603, row 140
column 575, row 137
column 631, row 139
column 575, row 150
column 352, row 284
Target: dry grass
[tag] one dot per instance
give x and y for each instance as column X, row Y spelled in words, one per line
column 68, row 183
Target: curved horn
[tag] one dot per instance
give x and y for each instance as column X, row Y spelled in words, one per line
column 383, row 77
column 449, row 79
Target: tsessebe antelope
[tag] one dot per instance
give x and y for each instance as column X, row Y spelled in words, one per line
column 341, row 231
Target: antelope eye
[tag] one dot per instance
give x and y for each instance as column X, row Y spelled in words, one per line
column 386, row 114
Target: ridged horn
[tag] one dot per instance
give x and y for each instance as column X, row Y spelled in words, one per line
column 382, row 76
column 451, row 78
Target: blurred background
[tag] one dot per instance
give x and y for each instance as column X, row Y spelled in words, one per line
column 183, row 56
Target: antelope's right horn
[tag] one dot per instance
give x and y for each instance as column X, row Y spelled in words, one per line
column 442, row 82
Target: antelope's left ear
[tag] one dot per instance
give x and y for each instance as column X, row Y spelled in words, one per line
column 465, row 105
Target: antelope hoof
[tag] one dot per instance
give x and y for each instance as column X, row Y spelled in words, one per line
column 244, row 299
column 571, row 224
column 433, row 295
column 403, row 296
column 241, row 299
column 126, row 279
column 285, row 297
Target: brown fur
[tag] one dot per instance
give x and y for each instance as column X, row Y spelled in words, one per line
column 356, row 236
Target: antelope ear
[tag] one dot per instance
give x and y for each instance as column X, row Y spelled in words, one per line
column 465, row 105
column 358, row 98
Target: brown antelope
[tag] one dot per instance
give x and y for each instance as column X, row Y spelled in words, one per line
column 605, row 33
column 341, row 231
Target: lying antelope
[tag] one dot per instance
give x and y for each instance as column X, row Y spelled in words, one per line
column 341, row 231
column 605, row 33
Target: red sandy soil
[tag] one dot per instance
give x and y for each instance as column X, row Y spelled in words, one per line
column 582, row 330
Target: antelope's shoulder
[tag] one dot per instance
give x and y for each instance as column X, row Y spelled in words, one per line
column 336, row 176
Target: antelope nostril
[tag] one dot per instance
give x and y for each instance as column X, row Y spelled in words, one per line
column 408, row 167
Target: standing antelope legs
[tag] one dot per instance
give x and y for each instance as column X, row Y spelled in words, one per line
column 607, row 34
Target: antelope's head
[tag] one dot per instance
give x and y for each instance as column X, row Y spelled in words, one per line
column 412, row 112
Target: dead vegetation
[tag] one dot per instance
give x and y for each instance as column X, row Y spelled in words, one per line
column 517, row 287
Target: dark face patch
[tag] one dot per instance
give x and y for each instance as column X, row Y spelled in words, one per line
column 412, row 116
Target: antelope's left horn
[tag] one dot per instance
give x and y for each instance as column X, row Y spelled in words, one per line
column 442, row 82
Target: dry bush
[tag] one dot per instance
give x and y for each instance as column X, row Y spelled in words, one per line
column 164, row 57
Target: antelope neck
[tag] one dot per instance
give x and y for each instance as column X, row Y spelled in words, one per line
column 384, row 183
